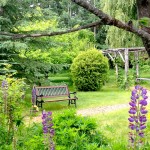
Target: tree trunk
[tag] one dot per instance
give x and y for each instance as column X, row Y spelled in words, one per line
column 1, row 11
column 143, row 10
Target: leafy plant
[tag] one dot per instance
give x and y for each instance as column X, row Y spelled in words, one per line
column 89, row 70
column 76, row 132
column 31, row 138
column 11, row 95
column 145, row 21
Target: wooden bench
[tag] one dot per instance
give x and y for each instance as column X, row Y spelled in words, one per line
column 56, row 93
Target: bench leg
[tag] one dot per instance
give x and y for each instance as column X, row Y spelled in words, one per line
column 69, row 102
column 36, row 103
column 75, row 103
column 41, row 104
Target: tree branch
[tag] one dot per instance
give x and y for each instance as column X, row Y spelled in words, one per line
column 108, row 20
column 21, row 36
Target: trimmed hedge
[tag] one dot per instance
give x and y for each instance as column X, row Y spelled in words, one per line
column 89, row 70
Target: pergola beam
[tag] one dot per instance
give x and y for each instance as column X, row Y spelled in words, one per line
column 124, row 55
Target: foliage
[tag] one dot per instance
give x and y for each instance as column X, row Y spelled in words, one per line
column 76, row 132
column 145, row 21
column 70, row 14
column 36, row 58
column 37, row 71
column 144, row 65
column 12, row 93
column 31, row 138
column 125, row 11
column 89, row 70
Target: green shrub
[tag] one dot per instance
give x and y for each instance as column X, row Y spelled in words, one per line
column 74, row 132
column 31, row 138
column 89, row 70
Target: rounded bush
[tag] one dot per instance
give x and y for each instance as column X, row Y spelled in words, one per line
column 89, row 70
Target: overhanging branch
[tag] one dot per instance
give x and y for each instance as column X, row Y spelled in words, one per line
column 108, row 20
column 22, row 36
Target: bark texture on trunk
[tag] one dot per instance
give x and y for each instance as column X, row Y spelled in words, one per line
column 146, row 43
column 143, row 9
column 1, row 10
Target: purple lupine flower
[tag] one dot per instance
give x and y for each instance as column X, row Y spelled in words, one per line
column 142, row 119
column 133, row 98
column 137, row 119
column 144, row 91
column 132, row 111
column 143, row 111
column 5, row 94
column 141, row 134
column 137, row 87
column 47, row 129
column 142, row 127
column 132, row 126
column 132, row 103
column 145, row 97
column 131, row 119
column 4, row 83
column 143, row 102
column 33, row 95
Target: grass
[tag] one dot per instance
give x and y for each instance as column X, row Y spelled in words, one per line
column 110, row 94
column 107, row 96
column 114, row 125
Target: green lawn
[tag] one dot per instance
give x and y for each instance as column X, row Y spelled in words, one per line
column 114, row 125
column 108, row 96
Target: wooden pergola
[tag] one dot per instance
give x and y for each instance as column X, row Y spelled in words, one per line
column 123, row 53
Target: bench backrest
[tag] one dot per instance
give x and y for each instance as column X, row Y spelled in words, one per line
column 52, row 91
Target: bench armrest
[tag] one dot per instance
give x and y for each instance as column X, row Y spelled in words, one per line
column 72, row 92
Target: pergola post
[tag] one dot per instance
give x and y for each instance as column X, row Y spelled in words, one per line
column 116, row 65
column 126, row 53
column 136, row 57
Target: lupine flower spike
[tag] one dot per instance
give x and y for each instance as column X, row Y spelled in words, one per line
column 33, row 96
column 47, row 129
column 5, row 94
column 137, row 117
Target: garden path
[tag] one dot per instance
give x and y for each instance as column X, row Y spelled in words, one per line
column 104, row 109
column 96, row 110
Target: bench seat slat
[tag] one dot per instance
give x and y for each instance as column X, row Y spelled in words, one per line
column 53, row 96
column 59, row 100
